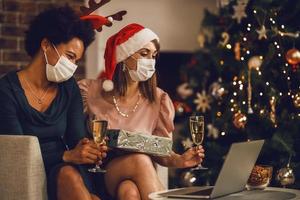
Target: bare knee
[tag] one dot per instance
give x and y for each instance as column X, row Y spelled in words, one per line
column 141, row 162
column 67, row 175
column 128, row 190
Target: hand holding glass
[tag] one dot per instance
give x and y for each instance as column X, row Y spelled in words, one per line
column 197, row 132
column 98, row 129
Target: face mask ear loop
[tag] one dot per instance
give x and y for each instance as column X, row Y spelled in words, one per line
column 56, row 50
column 46, row 57
column 134, row 58
column 124, row 67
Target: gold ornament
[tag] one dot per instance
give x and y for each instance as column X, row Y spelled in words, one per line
column 293, row 56
column 184, row 90
column 201, row 39
column 249, row 91
column 202, row 101
column 239, row 11
column 213, row 132
column 273, row 110
column 239, row 120
column 254, row 62
column 225, row 39
column 222, row 3
column 285, row 176
column 216, row 90
column 297, row 100
column 262, row 32
column 237, row 51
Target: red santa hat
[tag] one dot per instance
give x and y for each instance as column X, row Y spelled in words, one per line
column 122, row 45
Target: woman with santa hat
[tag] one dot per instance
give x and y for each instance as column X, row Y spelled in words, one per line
column 127, row 96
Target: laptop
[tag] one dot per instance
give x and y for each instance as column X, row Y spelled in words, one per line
column 233, row 176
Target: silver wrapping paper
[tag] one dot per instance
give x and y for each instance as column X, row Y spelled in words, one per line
column 138, row 142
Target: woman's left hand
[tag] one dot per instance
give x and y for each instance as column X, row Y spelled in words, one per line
column 190, row 158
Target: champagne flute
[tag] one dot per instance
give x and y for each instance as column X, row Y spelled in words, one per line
column 98, row 129
column 197, row 132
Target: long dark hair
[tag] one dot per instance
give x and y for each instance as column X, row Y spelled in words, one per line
column 147, row 88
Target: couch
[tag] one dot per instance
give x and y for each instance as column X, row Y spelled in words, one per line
column 22, row 172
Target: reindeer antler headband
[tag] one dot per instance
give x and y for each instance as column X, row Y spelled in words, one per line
column 97, row 20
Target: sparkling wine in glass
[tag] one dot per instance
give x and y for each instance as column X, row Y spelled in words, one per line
column 98, row 129
column 197, row 132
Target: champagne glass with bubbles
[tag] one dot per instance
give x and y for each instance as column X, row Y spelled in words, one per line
column 98, row 129
column 197, row 132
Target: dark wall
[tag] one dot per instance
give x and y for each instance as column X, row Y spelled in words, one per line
column 168, row 70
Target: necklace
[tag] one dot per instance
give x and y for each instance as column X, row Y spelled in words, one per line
column 126, row 114
column 39, row 99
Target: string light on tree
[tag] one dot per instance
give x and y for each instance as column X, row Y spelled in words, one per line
column 297, row 100
column 228, row 46
column 249, row 27
column 265, row 86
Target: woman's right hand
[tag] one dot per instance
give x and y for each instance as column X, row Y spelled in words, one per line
column 85, row 152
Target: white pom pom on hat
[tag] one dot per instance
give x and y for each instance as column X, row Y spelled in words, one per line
column 110, row 19
column 122, row 45
column 108, row 85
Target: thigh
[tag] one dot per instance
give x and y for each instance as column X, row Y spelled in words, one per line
column 126, row 167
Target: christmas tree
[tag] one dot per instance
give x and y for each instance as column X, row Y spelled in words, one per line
column 245, row 80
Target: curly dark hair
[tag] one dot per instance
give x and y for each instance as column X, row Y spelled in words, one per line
column 58, row 25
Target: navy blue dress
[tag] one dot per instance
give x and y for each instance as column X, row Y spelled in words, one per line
column 59, row 128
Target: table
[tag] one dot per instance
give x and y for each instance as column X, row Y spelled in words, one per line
column 270, row 193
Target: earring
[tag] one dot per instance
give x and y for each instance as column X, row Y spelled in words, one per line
column 123, row 67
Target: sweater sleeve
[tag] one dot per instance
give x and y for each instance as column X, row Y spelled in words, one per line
column 76, row 129
column 165, row 124
column 9, row 121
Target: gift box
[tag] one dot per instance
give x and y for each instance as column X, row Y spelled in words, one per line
column 139, row 142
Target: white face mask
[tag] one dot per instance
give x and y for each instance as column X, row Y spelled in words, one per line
column 61, row 71
column 145, row 70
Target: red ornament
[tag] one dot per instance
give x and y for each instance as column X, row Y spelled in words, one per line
column 193, row 62
column 181, row 107
column 293, row 56
column 239, row 120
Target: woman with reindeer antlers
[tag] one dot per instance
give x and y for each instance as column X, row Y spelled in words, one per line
column 126, row 95
column 43, row 100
